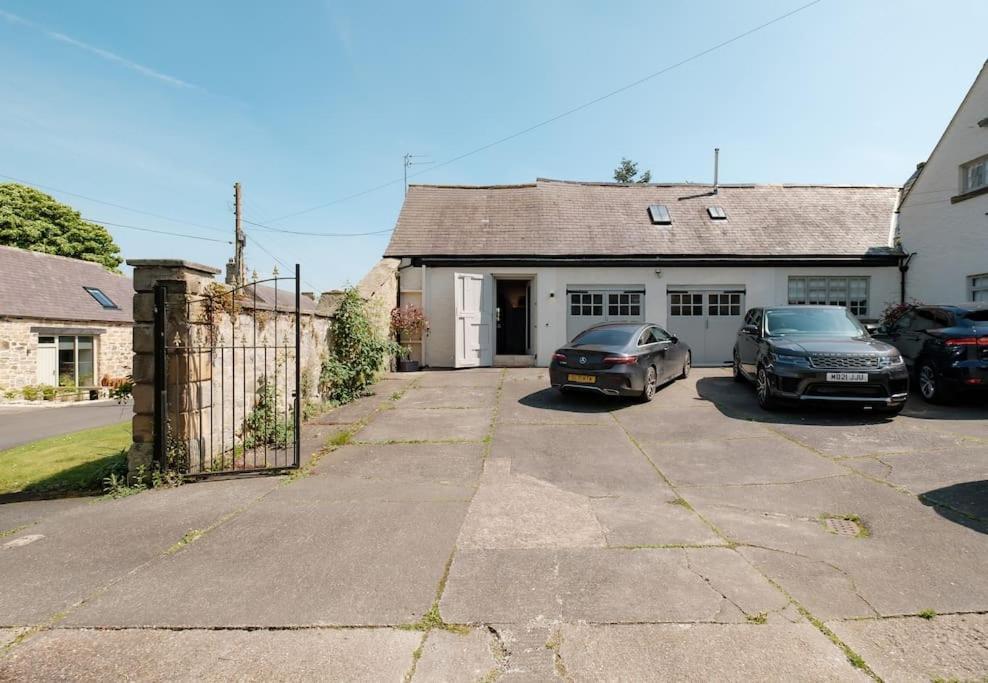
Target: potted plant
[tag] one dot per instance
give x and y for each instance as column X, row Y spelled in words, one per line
column 407, row 320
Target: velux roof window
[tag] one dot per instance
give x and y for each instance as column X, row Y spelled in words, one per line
column 101, row 298
column 659, row 214
column 717, row 213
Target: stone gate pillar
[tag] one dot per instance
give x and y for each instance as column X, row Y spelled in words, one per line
column 185, row 282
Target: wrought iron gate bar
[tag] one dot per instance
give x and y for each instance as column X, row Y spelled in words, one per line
column 261, row 401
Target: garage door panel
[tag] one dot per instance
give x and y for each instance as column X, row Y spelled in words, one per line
column 708, row 321
column 591, row 306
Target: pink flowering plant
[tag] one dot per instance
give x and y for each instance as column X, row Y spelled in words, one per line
column 407, row 319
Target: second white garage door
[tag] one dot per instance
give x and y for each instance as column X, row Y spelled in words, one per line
column 594, row 304
column 708, row 320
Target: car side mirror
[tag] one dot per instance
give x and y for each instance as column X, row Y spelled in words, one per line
column 674, row 339
column 876, row 329
column 750, row 329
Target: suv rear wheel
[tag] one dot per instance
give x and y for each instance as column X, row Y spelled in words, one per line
column 736, row 368
column 930, row 386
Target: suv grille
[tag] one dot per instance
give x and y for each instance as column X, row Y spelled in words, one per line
column 840, row 361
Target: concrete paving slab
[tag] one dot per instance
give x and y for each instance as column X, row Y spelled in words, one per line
column 760, row 460
column 531, row 403
column 356, row 411
column 687, row 424
column 448, row 397
column 440, row 424
column 923, row 471
column 650, row 520
column 16, row 515
column 527, row 375
column 523, row 512
column 88, row 547
column 405, row 471
column 878, row 438
column 474, row 656
column 593, row 460
column 203, row 655
column 474, row 377
column 702, row 652
column 9, row 635
column 945, row 648
column 517, row 586
column 294, row 561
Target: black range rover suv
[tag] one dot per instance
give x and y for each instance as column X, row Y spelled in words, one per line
column 817, row 353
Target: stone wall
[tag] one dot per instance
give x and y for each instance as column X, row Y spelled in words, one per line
column 19, row 349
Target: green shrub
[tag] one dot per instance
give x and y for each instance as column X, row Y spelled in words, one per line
column 357, row 351
column 11, row 394
column 47, row 392
column 31, row 392
column 266, row 424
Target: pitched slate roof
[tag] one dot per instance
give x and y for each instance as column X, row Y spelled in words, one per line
column 563, row 218
column 268, row 296
column 35, row 285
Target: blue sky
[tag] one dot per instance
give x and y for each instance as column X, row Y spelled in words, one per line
column 162, row 106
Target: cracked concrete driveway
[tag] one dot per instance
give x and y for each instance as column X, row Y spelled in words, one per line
column 478, row 526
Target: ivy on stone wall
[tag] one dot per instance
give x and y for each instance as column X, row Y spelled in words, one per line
column 357, row 351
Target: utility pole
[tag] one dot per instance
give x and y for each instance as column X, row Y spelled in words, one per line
column 239, row 238
column 407, row 161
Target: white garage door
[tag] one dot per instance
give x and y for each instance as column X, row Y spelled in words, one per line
column 708, row 320
column 595, row 304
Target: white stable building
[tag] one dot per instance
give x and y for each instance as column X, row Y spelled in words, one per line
column 507, row 274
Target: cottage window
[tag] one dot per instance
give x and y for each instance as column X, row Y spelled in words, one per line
column 974, row 175
column 101, row 298
column 586, row 303
column 978, row 287
column 624, row 305
column 685, row 303
column 76, row 361
column 851, row 292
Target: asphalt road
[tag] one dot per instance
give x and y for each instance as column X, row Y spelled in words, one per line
column 23, row 424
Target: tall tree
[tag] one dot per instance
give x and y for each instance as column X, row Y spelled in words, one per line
column 627, row 170
column 33, row 220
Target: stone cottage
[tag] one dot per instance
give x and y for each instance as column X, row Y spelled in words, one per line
column 63, row 322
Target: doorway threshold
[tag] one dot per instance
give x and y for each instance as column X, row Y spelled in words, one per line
column 514, row 361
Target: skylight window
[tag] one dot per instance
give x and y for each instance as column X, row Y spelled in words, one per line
column 659, row 214
column 717, row 213
column 101, row 298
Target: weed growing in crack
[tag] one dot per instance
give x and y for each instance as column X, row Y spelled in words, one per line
column 759, row 618
column 681, row 502
column 434, row 620
column 189, row 537
column 927, row 614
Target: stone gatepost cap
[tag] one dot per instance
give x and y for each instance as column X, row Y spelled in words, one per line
column 172, row 263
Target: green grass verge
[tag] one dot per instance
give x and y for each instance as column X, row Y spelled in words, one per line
column 68, row 463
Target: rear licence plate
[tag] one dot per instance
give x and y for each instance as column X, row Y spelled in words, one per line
column 847, row 376
column 582, row 379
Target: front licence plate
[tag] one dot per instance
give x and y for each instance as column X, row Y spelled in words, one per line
column 847, row 376
column 582, row 379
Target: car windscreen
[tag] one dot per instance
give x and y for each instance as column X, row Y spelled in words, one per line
column 818, row 321
column 608, row 336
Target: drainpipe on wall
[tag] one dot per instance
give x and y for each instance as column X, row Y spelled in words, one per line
column 903, row 269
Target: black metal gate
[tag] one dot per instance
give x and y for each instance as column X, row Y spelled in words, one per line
column 227, row 378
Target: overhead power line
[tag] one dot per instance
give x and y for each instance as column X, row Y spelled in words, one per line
column 159, row 232
column 264, row 226
column 561, row 115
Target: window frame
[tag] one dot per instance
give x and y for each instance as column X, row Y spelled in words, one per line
column 965, row 170
column 98, row 293
column 93, row 349
column 829, row 299
column 974, row 287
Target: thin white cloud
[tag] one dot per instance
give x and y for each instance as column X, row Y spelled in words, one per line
column 103, row 54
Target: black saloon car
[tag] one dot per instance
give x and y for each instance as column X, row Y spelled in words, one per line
column 817, row 353
column 620, row 359
column 946, row 347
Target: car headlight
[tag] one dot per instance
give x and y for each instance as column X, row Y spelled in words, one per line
column 786, row 359
column 892, row 361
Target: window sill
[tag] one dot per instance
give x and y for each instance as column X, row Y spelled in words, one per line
column 968, row 195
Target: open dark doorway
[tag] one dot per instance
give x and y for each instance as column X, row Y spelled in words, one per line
column 513, row 315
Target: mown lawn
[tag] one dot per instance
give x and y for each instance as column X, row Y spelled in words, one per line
column 66, row 463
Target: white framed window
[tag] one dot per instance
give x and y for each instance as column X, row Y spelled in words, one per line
column 974, row 175
column 724, row 303
column 685, row 304
column 624, row 304
column 586, row 304
column 850, row 291
column 76, row 360
column 977, row 287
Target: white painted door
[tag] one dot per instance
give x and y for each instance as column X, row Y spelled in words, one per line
column 472, row 318
column 708, row 321
column 47, row 363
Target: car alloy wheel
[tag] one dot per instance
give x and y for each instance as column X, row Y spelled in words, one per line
column 736, row 368
column 687, row 364
column 651, row 379
column 928, row 386
column 762, row 390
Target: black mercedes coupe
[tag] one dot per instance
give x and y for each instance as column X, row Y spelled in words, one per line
column 620, row 359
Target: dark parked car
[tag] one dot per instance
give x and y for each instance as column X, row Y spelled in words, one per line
column 817, row 353
column 620, row 359
column 946, row 347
